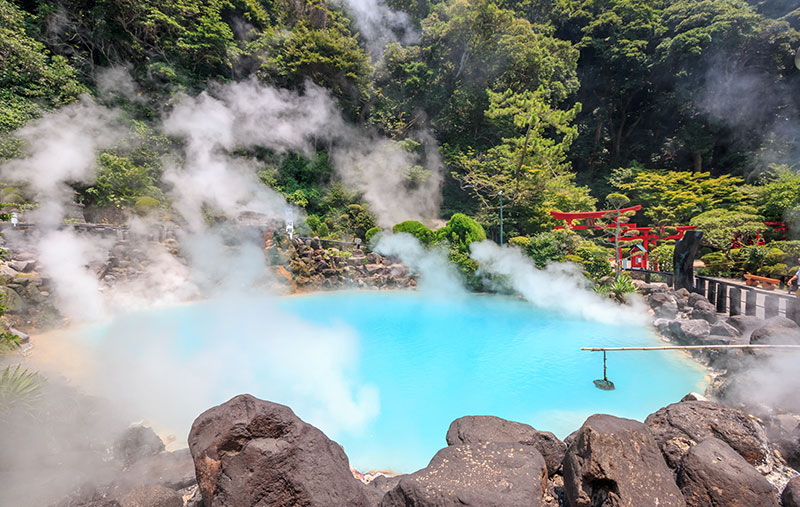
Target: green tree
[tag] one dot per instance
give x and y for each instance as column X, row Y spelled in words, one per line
column 722, row 227
column 674, row 197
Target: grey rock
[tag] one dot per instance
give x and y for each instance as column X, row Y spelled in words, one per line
column 721, row 328
column 745, row 323
column 775, row 335
column 616, row 462
column 695, row 297
column 663, row 305
column 689, row 332
column 679, row 426
column 22, row 266
column 174, row 470
column 151, row 496
column 791, row 493
column 135, row 443
column 485, row 474
column 780, row 321
column 12, row 300
column 706, row 311
column 711, row 473
column 476, row 429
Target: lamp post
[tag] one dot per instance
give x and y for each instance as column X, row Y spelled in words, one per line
column 501, row 216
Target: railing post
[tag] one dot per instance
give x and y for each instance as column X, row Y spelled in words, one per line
column 647, row 277
column 750, row 302
column 712, row 291
column 722, row 297
column 794, row 305
column 701, row 286
column 736, row 301
column 770, row 306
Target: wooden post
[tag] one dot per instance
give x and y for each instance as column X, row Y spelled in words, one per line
column 647, row 277
column 701, row 286
column 736, row 301
column 750, row 302
column 770, row 306
column 722, row 297
column 712, row 291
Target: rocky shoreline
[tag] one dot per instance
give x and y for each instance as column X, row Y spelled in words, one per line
column 249, row 452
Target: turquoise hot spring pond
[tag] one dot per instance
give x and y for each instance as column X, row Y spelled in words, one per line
column 401, row 365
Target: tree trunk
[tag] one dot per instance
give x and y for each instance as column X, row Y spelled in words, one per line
column 697, row 157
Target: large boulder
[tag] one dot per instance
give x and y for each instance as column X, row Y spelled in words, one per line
column 135, row 443
column 775, row 335
column 789, row 446
column 711, row 473
column 253, row 452
column 695, row 297
column 480, row 475
column 615, row 461
column 745, row 323
column 791, row 493
column 485, row 428
column 721, row 328
column 689, row 332
column 174, row 470
column 664, row 305
column 780, row 321
column 705, row 311
column 679, row 426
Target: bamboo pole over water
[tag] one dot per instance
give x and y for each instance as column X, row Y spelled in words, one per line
column 690, row 347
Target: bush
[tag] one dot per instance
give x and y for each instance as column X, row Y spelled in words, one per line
column 416, row 229
column 663, row 255
column 145, row 204
column 460, row 231
column 777, row 270
column 717, row 264
column 594, row 259
column 371, row 234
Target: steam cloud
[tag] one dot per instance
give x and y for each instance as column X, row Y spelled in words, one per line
column 380, row 25
column 559, row 287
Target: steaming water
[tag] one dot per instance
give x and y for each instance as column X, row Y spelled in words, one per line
column 431, row 360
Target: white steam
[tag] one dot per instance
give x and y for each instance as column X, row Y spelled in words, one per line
column 117, row 80
column 381, row 170
column 559, row 287
column 60, row 148
column 437, row 273
column 380, row 24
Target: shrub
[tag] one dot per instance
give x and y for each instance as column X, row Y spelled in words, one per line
column 416, row 229
column 520, row 241
column 460, row 231
column 371, row 234
column 717, row 264
column 662, row 255
column 777, row 270
column 594, row 259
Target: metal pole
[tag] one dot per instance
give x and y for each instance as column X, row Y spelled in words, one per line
column 501, row 216
column 689, row 347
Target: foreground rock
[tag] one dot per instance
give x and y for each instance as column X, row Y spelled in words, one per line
column 791, row 493
column 680, row 426
column 476, row 429
column 482, row 474
column 252, row 452
column 615, row 461
column 711, row 473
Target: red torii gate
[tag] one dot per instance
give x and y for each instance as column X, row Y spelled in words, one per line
column 638, row 259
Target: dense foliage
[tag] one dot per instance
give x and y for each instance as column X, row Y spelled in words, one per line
column 687, row 107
